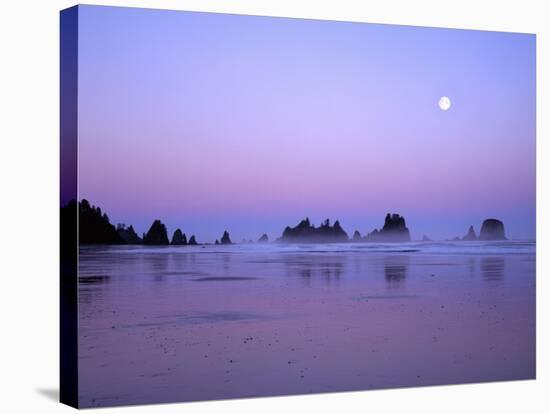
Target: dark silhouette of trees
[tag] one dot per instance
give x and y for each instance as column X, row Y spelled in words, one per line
column 128, row 234
column 394, row 230
column 304, row 232
column 225, row 238
column 157, row 234
column 94, row 226
column 179, row 238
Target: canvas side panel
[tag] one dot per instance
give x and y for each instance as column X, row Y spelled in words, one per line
column 69, row 207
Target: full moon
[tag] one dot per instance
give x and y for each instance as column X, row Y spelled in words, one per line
column 444, row 103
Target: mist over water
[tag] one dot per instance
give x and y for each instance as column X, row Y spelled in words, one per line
column 210, row 322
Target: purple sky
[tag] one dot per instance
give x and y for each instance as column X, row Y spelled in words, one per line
column 212, row 122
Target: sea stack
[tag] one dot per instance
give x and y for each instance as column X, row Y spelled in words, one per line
column 492, row 229
column 263, row 239
column 179, row 238
column 394, row 230
column 157, row 234
column 128, row 234
column 304, row 232
column 356, row 236
column 192, row 241
column 225, row 238
column 471, row 235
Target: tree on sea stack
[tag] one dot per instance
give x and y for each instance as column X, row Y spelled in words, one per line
column 225, row 238
column 179, row 238
column 157, row 234
column 94, row 226
column 128, row 234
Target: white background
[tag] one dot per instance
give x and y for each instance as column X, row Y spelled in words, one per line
column 29, row 146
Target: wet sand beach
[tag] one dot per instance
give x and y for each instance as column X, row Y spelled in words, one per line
column 194, row 323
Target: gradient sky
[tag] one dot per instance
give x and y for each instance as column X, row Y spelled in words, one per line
column 212, row 122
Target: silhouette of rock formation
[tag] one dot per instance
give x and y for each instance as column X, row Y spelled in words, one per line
column 225, row 238
column 492, row 229
column 179, row 238
column 192, row 241
column 157, row 234
column 263, row 239
column 128, row 234
column 426, row 238
column 394, row 230
column 471, row 235
column 356, row 236
column 304, row 232
column 217, row 241
column 94, row 226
